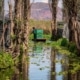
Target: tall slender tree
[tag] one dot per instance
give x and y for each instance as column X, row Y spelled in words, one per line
column 21, row 28
column 17, row 27
column 11, row 21
column 1, row 6
column 26, row 24
column 53, row 8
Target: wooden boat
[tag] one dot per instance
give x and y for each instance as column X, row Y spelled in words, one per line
column 39, row 40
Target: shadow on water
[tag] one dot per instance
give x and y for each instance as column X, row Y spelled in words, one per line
column 44, row 63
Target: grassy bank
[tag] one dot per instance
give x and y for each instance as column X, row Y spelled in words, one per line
column 45, row 25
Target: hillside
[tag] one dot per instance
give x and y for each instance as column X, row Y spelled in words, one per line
column 41, row 11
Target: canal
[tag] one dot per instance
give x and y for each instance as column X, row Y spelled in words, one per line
column 44, row 63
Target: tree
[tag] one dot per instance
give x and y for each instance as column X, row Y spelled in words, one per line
column 1, row 5
column 26, row 24
column 53, row 8
column 21, row 28
column 73, row 25
column 11, row 21
column 16, row 28
column 78, row 9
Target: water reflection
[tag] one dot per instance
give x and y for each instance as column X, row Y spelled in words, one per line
column 53, row 54
column 42, row 63
column 56, row 66
column 21, row 69
column 15, row 74
column 39, row 67
column 72, row 74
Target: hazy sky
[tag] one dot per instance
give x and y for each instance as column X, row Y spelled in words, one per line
column 41, row 1
column 46, row 1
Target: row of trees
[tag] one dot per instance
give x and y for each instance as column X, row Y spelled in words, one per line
column 20, row 27
column 70, row 9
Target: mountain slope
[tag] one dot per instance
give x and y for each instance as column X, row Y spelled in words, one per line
column 41, row 11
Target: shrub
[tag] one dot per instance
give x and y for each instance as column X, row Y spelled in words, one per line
column 64, row 42
column 59, row 41
column 72, row 47
column 5, row 60
column 6, row 74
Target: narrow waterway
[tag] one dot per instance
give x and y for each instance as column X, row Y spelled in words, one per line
column 40, row 63
column 44, row 63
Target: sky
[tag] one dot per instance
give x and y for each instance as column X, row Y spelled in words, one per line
column 41, row 1
column 46, row 1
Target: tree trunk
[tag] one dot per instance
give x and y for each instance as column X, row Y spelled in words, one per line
column 54, row 23
column 71, row 30
column 53, row 57
column 11, row 23
column 77, row 34
column 74, row 28
column 26, row 20
column 17, row 27
column 53, row 7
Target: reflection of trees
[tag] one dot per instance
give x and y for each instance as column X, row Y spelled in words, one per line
column 73, row 75
column 21, row 71
column 37, row 48
column 65, row 67
column 16, row 74
column 78, row 75
column 25, row 67
column 53, row 52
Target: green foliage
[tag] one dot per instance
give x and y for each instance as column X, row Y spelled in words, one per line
column 59, row 42
column 5, row 60
column 64, row 46
column 72, row 47
column 46, row 36
column 64, row 42
column 6, row 74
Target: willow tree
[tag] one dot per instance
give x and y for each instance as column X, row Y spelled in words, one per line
column 53, row 8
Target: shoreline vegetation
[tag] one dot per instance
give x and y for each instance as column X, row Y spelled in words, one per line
column 62, row 46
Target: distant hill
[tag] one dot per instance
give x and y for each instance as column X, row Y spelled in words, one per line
column 41, row 11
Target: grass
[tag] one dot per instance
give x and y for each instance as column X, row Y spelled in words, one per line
column 46, row 36
column 45, row 25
